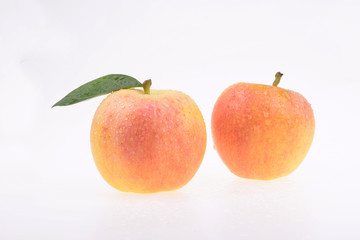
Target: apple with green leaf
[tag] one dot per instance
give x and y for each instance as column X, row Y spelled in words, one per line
column 143, row 140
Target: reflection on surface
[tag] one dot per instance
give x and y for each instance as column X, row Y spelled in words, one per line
column 234, row 207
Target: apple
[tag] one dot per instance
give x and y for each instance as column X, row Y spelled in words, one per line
column 142, row 141
column 260, row 131
column 148, row 141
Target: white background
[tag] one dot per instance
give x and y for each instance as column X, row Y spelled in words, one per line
column 49, row 185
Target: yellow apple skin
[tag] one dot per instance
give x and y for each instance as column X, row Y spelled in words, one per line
column 262, row 132
column 146, row 143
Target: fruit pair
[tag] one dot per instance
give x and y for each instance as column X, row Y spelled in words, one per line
column 149, row 141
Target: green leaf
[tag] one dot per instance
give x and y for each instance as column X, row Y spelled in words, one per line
column 97, row 87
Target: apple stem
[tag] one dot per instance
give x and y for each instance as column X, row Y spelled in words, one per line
column 278, row 76
column 146, row 85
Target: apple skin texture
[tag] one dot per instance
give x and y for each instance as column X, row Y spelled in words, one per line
column 262, row 132
column 146, row 143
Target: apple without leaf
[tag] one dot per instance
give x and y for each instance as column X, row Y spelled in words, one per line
column 262, row 132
